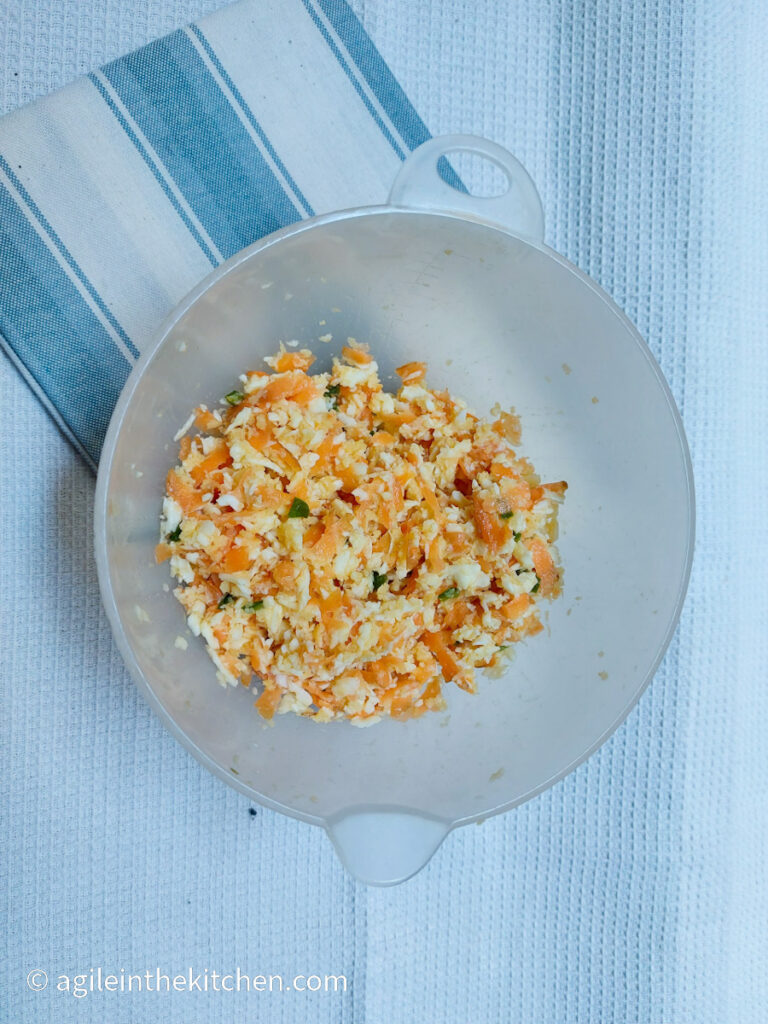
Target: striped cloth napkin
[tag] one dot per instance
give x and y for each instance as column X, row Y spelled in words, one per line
column 121, row 191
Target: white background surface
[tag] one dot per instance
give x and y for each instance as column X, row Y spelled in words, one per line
column 635, row 890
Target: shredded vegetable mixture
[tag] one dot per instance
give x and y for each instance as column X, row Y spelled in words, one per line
column 355, row 549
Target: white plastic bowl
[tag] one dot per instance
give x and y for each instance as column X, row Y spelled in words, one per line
column 467, row 285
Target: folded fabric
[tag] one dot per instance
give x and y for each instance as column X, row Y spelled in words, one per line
column 122, row 190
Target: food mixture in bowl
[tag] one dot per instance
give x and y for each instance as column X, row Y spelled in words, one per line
column 354, row 550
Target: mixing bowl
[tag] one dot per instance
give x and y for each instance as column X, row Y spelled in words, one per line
column 466, row 284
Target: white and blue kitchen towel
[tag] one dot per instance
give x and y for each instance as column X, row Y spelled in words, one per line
column 119, row 192
column 634, row 891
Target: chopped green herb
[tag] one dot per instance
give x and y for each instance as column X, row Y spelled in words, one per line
column 226, row 599
column 332, row 390
column 253, row 606
column 234, row 397
column 299, row 509
column 536, row 585
column 517, row 536
column 175, row 534
column 379, row 578
column 446, row 595
column 506, row 515
column 503, row 647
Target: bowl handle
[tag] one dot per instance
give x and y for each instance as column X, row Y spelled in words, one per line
column 384, row 847
column 418, row 185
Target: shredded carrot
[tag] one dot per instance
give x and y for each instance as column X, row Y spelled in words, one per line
column 458, row 543
column 183, row 493
column 411, row 373
column 232, row 664
column 533, row 626
column 217, row 457
column 330, row 603
column 490, row 526
column 430, row 498
column 312, row 535
column 295, row 385
column 537, row 493
column 293, row 361
column 398, row 419
column 323, row 452
column 205, row 420
column 517, row 493
column 284, row 458
column 435, row 559
column 457, row 613
column 322, row 698
column 283, row 573
column 298, row 487
column 377, row 570
column 544, row 566
column 402, row 699
column 508, row 426
column 269, row 701
column 162, row 552
column 259, row 439
column 325, row 547
column 382, row 439
column 348, row 477
column 235, row 560
column 436, row 642
column 514, row 609
column 378, row 673
column 258, row 656
column 359, row 356
column 269, row 498
column 432, row 690
column 396, row 490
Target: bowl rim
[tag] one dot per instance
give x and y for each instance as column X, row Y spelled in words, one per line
column 115, row 426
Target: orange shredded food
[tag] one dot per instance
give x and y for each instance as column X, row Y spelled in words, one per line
column 354, row 550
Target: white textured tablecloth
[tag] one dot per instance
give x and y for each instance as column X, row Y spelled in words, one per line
column 634, row 892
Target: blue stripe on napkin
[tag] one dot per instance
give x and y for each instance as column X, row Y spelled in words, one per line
column 380, row 79
column 156, row 168
column 54, row 333
column 335, row 49
column 65, row 254
column 248, row 114
column 181, row 110
column 375, row 71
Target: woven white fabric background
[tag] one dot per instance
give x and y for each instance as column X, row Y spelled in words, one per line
column 634, row 892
